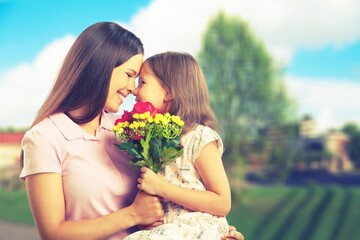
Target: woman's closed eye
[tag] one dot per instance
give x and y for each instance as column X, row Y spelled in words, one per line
column 129, row 75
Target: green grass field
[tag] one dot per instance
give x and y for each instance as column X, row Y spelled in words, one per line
column 313, row 213
column 14, row 207
column 264, row 213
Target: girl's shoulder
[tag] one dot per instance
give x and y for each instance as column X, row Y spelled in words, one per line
column 200, row 136
column 201, row 131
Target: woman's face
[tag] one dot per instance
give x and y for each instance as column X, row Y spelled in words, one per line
column 150, row 89
column 123, row 82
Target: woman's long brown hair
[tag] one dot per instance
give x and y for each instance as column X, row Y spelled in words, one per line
column 84, row 78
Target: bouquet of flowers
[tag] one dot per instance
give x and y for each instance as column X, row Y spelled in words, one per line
column 151, row 138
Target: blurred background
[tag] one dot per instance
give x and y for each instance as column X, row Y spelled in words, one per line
column 284, row 80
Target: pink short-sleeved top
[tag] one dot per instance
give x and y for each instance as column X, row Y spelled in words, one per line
column 97, row 178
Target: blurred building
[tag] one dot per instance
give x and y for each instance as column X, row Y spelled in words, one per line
column 332, row 144
column 10, row 159
column 335, row 142
column 308, row 128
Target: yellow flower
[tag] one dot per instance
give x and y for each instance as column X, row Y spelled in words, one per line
column 165, row 121
column 136, row 124
column 177, row 120
column 146, row 115
column 136, row 116
column 158, row 118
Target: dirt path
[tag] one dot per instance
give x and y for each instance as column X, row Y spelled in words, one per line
column 13, row 231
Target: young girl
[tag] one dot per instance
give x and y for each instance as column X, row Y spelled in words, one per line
column 195, row 187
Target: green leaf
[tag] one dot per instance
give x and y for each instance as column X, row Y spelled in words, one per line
column 133, row 152
column 170, row 154
column 155, row 146
column 156, row 167
column 138, row 163
column 130, row 148
column 152, row 152
column 145, row 145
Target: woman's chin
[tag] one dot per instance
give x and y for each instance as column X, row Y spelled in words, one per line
column 112, row 109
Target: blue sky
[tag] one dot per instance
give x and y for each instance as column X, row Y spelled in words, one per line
column 28, row 25
column 317, row 41
column 328, row 61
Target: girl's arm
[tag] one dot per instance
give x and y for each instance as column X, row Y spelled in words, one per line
column 48, row 208
column 215, row 200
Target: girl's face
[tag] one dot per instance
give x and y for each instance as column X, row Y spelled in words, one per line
column 150, row 89
column 122, row 82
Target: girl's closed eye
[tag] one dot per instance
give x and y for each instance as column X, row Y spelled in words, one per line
column 142, row 81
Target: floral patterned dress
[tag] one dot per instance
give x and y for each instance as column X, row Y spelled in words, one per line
column 179, row 222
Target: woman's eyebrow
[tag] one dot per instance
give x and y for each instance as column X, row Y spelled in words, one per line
column 133, row 72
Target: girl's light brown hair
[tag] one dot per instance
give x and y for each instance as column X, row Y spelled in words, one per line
column 182, row 76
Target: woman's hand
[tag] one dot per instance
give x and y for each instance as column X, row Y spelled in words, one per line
column 147, row 208
column 233, row 234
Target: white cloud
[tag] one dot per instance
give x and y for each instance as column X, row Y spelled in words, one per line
column 283, row 25
column 331, row 102
column 24, row 88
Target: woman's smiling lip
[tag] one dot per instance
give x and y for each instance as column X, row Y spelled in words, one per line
column 121, row 95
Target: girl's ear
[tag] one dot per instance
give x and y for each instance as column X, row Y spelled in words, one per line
column 168, row 97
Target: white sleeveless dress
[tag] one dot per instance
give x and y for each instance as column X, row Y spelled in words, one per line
column 181, row 223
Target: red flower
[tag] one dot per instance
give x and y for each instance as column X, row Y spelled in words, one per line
column 142, row 107
column 138, row 137
column 127, row 116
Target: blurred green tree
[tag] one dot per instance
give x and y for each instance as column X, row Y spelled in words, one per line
column 353, row 147
column 247, row 90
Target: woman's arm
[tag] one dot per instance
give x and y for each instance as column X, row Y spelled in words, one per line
column 215, row 200
column 46, row 200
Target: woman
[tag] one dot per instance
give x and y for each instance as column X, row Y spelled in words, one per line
column 79, row 185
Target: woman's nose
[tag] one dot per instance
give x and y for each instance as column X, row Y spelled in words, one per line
column 135, row 92
column 131, row 87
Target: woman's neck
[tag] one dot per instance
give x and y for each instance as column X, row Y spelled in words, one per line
column 89, row 127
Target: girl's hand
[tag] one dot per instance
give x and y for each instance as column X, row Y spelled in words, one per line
column 152, row 225
column 233, row 234
column 150, row 182
column 147, row 208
